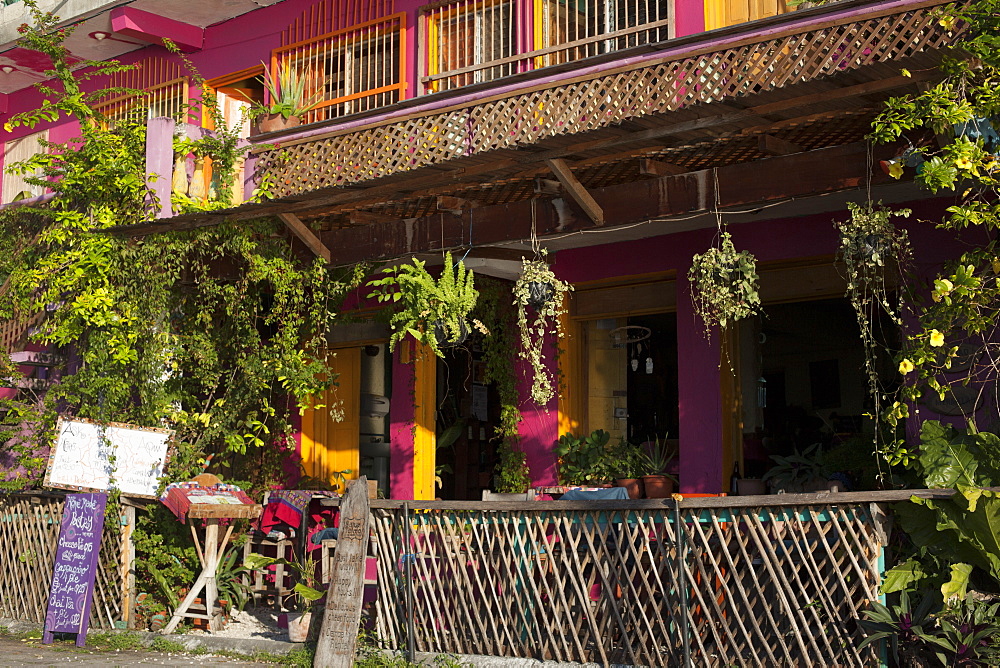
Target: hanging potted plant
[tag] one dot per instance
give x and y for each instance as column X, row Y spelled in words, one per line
column 287, row 98
column 538, row 289
column 432, row 310
column 724, row 285
column 871, row 246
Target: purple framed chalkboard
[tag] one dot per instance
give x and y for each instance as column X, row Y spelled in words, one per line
column 77, row 557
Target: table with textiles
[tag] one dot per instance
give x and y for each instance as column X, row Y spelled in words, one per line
column 209, row 499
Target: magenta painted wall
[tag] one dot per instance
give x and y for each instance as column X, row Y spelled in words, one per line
column 539, row 427
column 689, row 17
column 401, row 429
column 698, row 360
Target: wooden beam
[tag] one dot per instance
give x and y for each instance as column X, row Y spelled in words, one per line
column 576, row 190
column 368, row 218
column 774, row 146
column 455, row 204
column 307, row 236
column 648, row 167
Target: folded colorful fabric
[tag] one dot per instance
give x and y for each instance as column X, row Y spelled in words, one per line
column 178, row 497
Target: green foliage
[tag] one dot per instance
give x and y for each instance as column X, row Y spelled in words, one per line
column 950, row 536
column 538, row 288
column 965, row 633
column 953, row 144
column 658, row 456
column 432, row 311
column 724, row 285
column 584, row 461
column 229, row 579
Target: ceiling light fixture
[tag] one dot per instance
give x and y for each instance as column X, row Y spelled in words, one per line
column 6, row 69
column 99, row 35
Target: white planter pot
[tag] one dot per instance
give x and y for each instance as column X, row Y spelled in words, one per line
column 298, row 626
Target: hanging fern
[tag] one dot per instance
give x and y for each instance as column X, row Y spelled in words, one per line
column 432, row 311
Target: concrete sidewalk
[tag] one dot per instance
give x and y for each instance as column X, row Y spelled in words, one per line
column 19, row 652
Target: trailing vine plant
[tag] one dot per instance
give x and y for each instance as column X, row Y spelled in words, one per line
column 724, row 285
column 497, row 314
column 216, row 333
column 539, row 290
column 434, row 311
column 871, row 247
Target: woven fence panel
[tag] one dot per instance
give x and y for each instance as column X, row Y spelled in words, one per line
column 29, row 533
column 726, row 586
column 562, row 109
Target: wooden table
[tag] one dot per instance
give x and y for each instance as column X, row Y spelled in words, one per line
column 209, row 557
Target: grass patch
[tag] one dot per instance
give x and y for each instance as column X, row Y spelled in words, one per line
column 111, row 641
column 166, row 645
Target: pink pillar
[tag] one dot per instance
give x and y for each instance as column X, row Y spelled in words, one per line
column 160, row 161
column 401, row 429
column 539, row 428
column 700, row 403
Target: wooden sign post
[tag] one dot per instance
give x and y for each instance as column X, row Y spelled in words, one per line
column 77, row 558
column 338, row 636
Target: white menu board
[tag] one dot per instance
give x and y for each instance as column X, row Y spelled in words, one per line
column 89, row 456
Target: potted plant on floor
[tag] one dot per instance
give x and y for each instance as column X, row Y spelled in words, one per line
column 304, row 593
column 287, row 98
column 803, row 471
column 658, row 455
column 629, row 462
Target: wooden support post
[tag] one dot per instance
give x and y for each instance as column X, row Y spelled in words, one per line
column 342, row 617
column 127, row 559
column 576, row 190
column 306, row 235
column 209, row 550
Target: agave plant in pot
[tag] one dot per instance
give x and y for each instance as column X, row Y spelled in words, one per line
column 658, row 455
column 288, row 98
column 305, row 595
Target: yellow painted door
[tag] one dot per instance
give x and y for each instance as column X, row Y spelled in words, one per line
column 329, row 446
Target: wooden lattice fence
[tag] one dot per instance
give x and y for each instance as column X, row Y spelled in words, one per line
column 706, row 582
column 509, row 121
column 29, row 532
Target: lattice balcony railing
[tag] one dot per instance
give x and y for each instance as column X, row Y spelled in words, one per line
column 634, row 583
column 657, row 88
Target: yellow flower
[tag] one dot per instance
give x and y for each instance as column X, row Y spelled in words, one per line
column 963, row 162
column 895, row 170
column 905, row 367
column 937, row 338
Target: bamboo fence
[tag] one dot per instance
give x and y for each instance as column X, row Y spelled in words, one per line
column 29, row 533
column 706, row 582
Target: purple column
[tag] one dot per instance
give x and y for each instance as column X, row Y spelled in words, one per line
column 160, row 161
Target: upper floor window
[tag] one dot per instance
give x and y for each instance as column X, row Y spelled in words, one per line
column 470, row 41
column 353, row 69
column 164, row 86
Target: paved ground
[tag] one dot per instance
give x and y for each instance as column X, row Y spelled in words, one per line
column 17, row 652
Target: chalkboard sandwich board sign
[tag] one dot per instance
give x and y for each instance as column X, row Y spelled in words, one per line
column 91, row 456
column 75, row 570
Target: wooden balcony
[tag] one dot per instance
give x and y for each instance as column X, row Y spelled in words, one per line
column 780, row 86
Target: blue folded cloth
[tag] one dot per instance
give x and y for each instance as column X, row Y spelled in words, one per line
column 606, row 494
column 325, row 534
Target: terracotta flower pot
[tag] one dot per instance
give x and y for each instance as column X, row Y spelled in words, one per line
column 633, row 485
column 275, row 122
column 657, row 486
